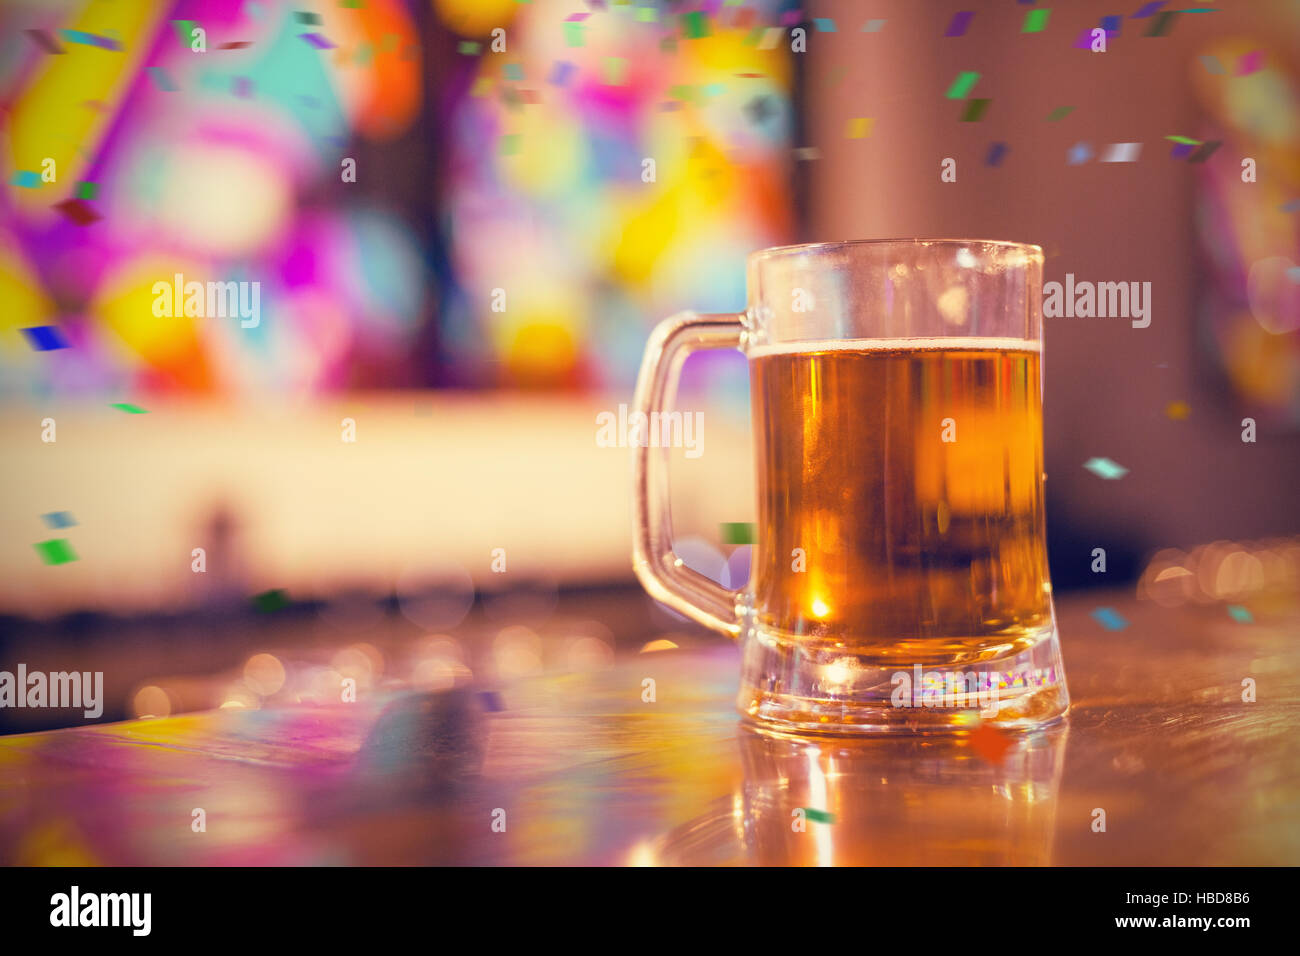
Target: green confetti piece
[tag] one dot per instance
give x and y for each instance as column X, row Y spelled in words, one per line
column 962, row 85
column 574, row 33
column 185, row 30
column 682, row 92
column 695, row 24
column 647, row 15
column 1163, row 23
column 468, row 48
column 753, row 36
column 1186, row 140
column 55, row 551
column 818, row 816
column 975, row 110
column 303, row 17
column 129, row 408
column 269, row 601
column 615, row 71
column 1241, row 614
column 1060, row 113
column 738, row 532
column 351, row 4
column 87, row 190
column 1035, row 21
column 509, row 144
column 1105, row 468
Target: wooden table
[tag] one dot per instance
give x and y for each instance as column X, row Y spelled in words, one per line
column 575, row 768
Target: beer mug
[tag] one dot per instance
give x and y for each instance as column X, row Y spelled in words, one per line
column 899, row 577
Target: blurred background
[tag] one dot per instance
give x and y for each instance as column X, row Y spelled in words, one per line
column 463, row 218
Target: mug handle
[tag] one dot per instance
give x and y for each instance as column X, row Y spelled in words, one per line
column 657, row 566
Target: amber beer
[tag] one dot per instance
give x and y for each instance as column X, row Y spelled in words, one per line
column 900, row 497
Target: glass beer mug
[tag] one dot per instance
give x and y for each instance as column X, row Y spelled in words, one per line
column 899, row 575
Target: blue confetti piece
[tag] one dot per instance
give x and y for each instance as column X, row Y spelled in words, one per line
column 996, row 152
column 46, row 338
column 1079, row 154
column 1111, row 26
column 491, row 701
column 26, row 178
column 90, row 39
column 59, row 519
column 1292, row 206
column 824, row 24
column 1109, row 618
column 1149, row 9
column 960, row 21
column 1105, row 468
column 1239, row 613
column 561, row 73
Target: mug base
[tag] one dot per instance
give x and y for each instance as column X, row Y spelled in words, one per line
column 792, row 686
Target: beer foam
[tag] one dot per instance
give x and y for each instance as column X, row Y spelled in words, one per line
column 938, row 343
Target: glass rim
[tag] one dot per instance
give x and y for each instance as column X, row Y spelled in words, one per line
column 1032, row 250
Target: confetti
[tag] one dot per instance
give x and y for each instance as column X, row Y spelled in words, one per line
column 1178, row 410
column 695, row 24
column 270, row 601
column 818, row 816
column 59, row 519
column 91, row 39
column 738, row 532
column 129, row 408
column 812, row 152
column 1186, row 140
column 1109, row 618
column 77, row 211
column 185, row 31
column 303, row 17
column 959, row 22
column 55, row 551
column 1035, row 21
column 1205, row 151
column 513, row 71
column 1212, row 64
column 1241, row 614
column 771, row 38
column 1110, row 25
column 615, row 71
column 873, row 26
column 647, row 15
column 316, row 40
column 975, row 110
column 162, row 80
column 1120, row 153
column 824, row 24
column 45, row 40
column 561, row 72
column 1105, row 468
column 1148, row 9
column 27, row 179
column 990, row 743
column 471, row 48
column 87, row 189
column 659, row 644
column 46, row 338
column 236, row 45
column 996, row 152
column 1163, row 23
column 962, row 85
column 1249, row 63
column 1291, row 206
column 491, row 701
column 859, row 127
column 1060, row 113
column 791, row 17
column 573, row 34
